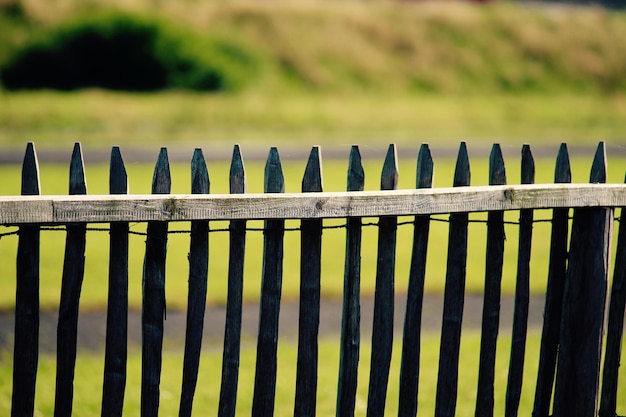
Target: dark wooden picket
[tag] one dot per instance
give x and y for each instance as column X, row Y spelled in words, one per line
column 71, row 284
column 232, row 330
column 411, row 341
column 153, row 310
column 117, row 308
column 310, row 275
column 382, row 330
column 448, row 376
column 26, row 347
column 570, row 357
column 351, row 315
column 522, row 294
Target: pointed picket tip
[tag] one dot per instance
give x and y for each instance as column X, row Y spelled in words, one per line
column 312, row 180
column 562, row 170
column 238, row 183
column 528, row 165
column 425, row 168
column 497, row 172
column 389, row 176
column 118, row 178
column 200, row 183
column 599, row 166
column 78, row 184
column 161, row 180
column 31, row 184
column 274, row 179
column 356, row 175
column 462, row 170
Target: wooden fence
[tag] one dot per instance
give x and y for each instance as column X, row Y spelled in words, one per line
column 573, row 342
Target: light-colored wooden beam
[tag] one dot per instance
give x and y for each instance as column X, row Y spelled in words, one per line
column 185, row 207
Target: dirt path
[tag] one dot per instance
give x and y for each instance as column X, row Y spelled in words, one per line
column 92, row 325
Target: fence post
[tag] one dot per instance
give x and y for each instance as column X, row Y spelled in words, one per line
column 351, row 313
column 310, row 273
column 232, row 328
column 73, row 273
column 196, row 297
column 520, row 315
column 409, row 367
column 271, row 287
column 448, row 374
column 382, row 329
column 554, row 294
column 153, row 307
column 584, row 299
column 26, row 346
column 117, row 307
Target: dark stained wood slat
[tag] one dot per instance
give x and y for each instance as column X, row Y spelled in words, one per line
column 309, row 318
column 382, row 330
column 72, row 280
column 584, row 297
column 554, row 294
column 615, row 329
column 447, row 380
column 153, row 308
column 351, row 314
column 409, row 368
column 522, row 290
column 26, row 345
column 493, row 283
column 232, row 331
column 271, row 286
column 196, row 298
column 117, row 307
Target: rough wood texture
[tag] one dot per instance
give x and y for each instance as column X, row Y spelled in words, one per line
column 382, row 330
column 554, row 294
column 615, row 329
column 232, row 329
column 310, row 272
column 271, row 286
column 17, row 210
column 26, row 345
column 117, row 307
column 411, row 342
column 196, row 298
column 493, row 283
column 351, row 314
column 153, row 307
column 522, row 290
column 73, row 273
column 447, row 380
column 584, row 297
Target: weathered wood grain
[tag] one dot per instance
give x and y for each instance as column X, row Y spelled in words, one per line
column 117, row 308
column 271, row 287
column 382, row 328
column 17, row 210
column 26, row 344
column 232, row 328
column 153, row 307
column 554, row 293
column 351, row 313
column 522, row 296
column 493, row 284
column 615, row 329
column 411, row 341
column 584, row 298
column 454, row 296
column 197, row 284
column 310, row 273
column 71, row 284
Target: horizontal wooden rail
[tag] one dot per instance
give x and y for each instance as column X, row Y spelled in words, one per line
column 186, row 207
